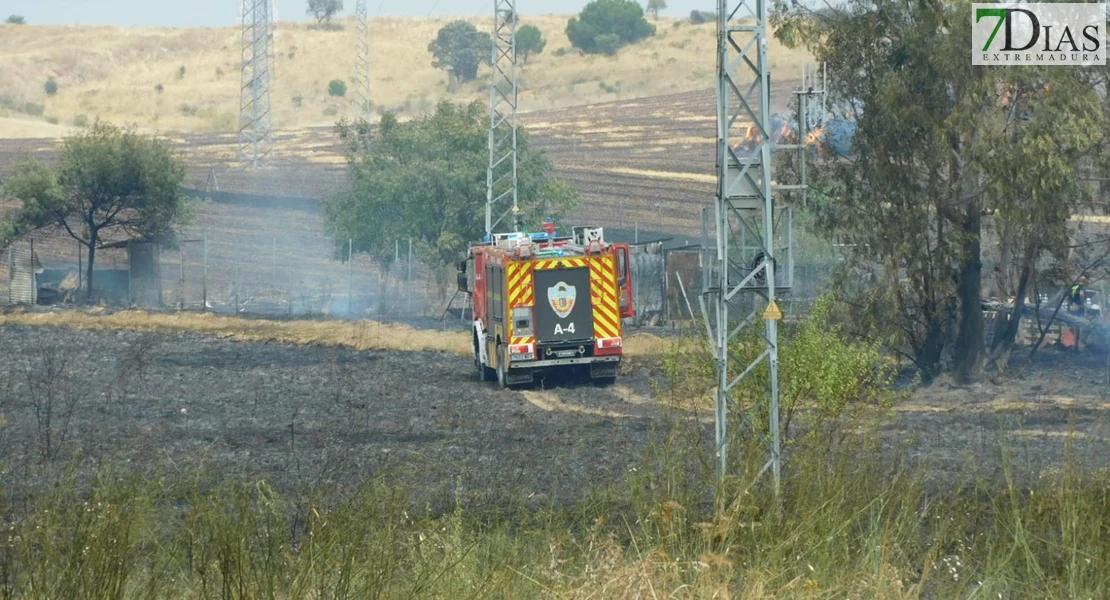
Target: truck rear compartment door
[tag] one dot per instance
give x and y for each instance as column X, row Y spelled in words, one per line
column 563, row 309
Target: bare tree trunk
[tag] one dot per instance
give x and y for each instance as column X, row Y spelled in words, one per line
column 1003, row 282
column 969, row 336
column 89, row 267
column 1003, row 345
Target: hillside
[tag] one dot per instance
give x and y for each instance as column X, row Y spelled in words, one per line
column 115, row 72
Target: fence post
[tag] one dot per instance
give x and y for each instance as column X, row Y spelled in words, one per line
column 204, row 277
column 237, row 285
column 408, row 275
column 350, row 276
column 11, row 266
column 31, row 272
column 181, row 251
column 636, row 233
column 130, row 281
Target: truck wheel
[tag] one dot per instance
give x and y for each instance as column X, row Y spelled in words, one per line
column 484, row 373
column 502, row 368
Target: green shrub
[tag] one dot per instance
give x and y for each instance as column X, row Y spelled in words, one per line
column 16, row 20
column 34, row 109
column 697, row 17
column 827, row 374
column 159, row 88
column 81, row 120
column 331, row 111
column 607, row 43
column 460, row 48
column 337, row 87
column 51, row 87
column 603, row 18
column 53, row 120
column 188, row 110
column 298, row 100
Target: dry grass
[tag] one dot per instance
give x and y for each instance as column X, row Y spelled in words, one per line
column 668, row 175
column 112, row 72
column 361, row 335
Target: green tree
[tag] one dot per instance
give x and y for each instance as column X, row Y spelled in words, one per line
column 623, row 18
column 529, row 41
column 944, row 150
column 324, row 10
column 459, row 48
column 654, row 6
column 110, row 184
column 337, row 87
column 16, row 20
column 607, row 43
column 425, row 180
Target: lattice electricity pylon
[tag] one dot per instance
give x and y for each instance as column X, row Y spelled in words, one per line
column 501, row 184
column 754, row 261
column 362, row 62
column 255, row 136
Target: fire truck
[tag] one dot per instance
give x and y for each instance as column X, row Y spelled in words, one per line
column 545, row 303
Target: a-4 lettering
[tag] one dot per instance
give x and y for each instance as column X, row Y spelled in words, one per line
column 559, row 329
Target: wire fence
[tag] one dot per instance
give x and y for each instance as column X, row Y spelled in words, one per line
column 269, row 276
column 224, row 276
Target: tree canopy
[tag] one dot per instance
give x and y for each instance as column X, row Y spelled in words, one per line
column 111, row 184
column 621, row 18
column 945, row 153
column 529, row 41
column 425, row 180
column 324, row 10
column 460, row 48
column 654, row 6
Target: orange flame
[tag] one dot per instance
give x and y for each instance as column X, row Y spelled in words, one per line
column 815, row 135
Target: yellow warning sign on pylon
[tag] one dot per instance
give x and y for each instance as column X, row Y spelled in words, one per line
column 773, row 311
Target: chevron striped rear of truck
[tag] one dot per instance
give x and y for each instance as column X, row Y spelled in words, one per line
column 546, row 304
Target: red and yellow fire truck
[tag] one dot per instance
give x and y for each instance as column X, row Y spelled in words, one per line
column 544, row 303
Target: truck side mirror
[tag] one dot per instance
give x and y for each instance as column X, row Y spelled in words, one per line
column 461, row 266
column 463, row 283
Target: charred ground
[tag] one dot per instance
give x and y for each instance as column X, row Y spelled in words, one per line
column 302, row 416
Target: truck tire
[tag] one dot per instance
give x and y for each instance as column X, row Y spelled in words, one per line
column 484, row 373
column 502, row 368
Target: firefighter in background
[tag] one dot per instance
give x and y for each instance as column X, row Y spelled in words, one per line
column 1077, row 306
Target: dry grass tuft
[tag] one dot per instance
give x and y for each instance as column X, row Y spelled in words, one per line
column 361, row 335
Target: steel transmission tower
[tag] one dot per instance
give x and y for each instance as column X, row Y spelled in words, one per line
column 362, row 62
column 255, row 136
column 753, row 240
column 501, row 174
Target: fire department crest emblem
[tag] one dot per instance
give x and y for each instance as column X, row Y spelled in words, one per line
column 561, row 298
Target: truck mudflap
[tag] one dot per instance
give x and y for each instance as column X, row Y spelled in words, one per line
column 604, row 370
